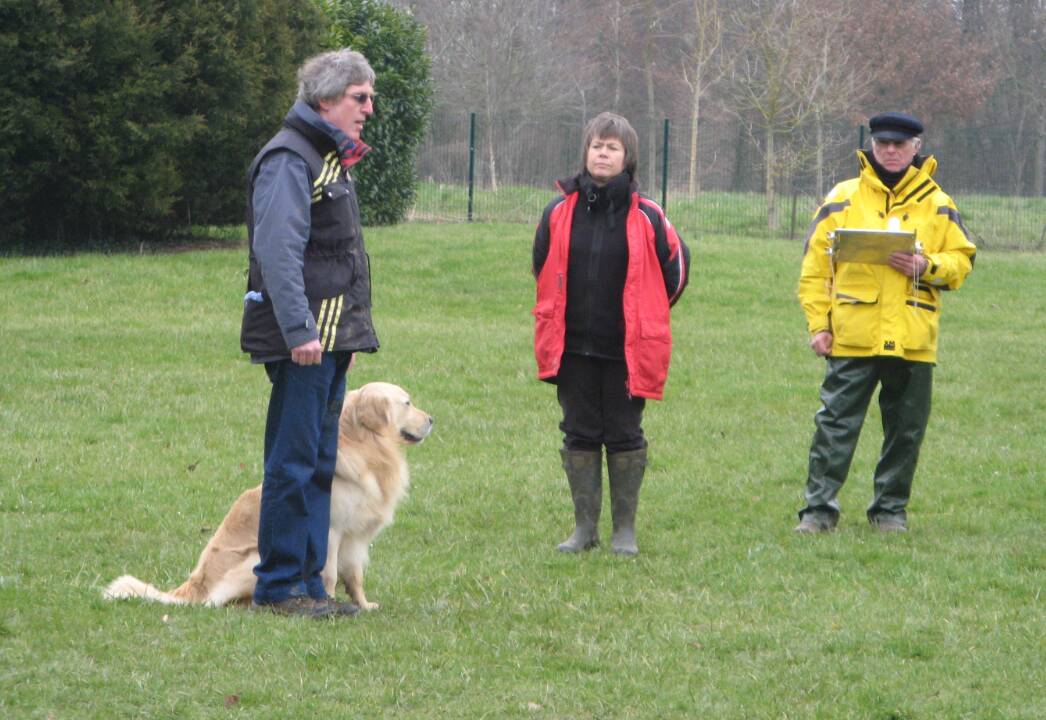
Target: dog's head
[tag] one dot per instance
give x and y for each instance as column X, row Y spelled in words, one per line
column 385, row 409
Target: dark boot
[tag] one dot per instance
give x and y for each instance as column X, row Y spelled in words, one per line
column 626, row 475
column 585, row 475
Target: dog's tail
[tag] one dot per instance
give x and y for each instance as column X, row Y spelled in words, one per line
column 128, row 586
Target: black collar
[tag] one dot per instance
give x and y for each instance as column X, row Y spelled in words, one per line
column 890, row 179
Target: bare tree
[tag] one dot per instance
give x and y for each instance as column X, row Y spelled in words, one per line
column 772, row 80
column 921, row 61
column 798, row 74
column 1017, row 35
column 702, row 64
column 592, row 54
column 616, row 19
column 838, row 83
column 497, row 56
column 650, row 22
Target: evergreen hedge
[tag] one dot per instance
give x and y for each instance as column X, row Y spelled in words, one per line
column 394, row 44
column 131, row 119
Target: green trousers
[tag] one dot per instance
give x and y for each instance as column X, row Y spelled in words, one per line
column 904, row 402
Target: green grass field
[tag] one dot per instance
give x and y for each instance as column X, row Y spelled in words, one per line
column 129, row 422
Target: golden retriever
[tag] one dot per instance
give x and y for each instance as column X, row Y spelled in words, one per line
column 370, row 479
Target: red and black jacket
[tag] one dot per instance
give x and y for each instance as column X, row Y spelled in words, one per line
column 608, row 265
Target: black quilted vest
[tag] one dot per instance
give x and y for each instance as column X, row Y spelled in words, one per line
column 336, row 266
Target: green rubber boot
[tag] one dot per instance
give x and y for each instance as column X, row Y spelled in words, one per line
column 626, row 475
column 585, row 475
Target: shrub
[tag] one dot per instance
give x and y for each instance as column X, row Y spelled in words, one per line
column 394, row 44
column 127, row 119
column 85, row 138
column 244, row 56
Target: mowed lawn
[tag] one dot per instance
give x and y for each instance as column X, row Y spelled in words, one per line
column 129, row 422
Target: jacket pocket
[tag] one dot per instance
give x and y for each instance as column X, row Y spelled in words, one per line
column 655, row 330
column 332, row 215
column 856, row 316
column 921, row 321
column 654, row 351
column 548, row 341
column 328, row 276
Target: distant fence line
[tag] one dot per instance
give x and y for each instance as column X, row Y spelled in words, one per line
column 513, row 171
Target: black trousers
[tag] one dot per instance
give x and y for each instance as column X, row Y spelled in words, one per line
column 904, row 400
column 597, row 409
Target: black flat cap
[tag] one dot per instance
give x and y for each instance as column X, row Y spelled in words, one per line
column 894, row 126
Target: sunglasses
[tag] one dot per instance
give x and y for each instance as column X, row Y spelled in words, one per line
column 891, row 143
column 363, row 97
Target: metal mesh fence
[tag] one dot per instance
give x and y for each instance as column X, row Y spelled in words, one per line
column 513, row 168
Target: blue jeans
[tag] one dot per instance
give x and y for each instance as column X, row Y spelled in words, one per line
column 301, row 449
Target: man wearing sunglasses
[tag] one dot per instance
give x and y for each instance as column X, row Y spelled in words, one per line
column 306, row 311
column 876, row 323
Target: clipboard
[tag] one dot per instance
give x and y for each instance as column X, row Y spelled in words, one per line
column 870, row 246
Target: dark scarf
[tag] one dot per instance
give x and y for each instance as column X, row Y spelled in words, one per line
column 890, row 179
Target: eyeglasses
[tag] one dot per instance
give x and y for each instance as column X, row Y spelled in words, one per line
column 891, row 143
column 362, row 97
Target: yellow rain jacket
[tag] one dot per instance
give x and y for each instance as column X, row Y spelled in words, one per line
column 874, row 309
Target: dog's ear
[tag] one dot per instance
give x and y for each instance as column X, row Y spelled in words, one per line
column 348, row 409
column 373, row 411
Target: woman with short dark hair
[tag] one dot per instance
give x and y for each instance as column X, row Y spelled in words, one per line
column 608, row 266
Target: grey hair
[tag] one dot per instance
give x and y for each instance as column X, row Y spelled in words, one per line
column 609, row 125
column 325, row 76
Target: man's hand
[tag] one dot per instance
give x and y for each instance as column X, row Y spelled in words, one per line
column 310, row 353
column 908, row 264
column 821, row 343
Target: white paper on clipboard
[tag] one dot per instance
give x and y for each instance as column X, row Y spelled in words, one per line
column 870, row 246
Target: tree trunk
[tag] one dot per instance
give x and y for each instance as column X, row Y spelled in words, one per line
column 651, row 116
column 492, row 162
column 1017, row 143
column 773, row 222
column 1040, row 158
column 737, row 179
column 491, row 111
column 617, row 56
column 819, row 160
column 693, row 184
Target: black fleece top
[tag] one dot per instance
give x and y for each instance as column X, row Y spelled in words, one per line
column 596, row 268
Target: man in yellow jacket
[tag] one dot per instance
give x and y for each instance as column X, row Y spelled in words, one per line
column 876, row 323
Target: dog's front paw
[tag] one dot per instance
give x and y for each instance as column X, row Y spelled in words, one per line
column 368, row 606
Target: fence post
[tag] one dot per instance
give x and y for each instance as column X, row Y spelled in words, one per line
column 860, row 136
column 664, row 170
column 472, row 161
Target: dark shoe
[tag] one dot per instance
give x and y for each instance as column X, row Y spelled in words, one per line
column 337, row 608
column 889, row 523
column 297, row 606
column 813, row 524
